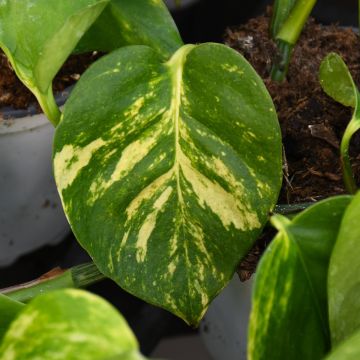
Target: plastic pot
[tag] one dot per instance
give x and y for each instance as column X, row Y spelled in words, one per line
column 31, row 214
column 224, row 328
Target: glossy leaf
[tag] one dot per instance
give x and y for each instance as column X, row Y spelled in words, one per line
column 69, row 325
column 337, row 82
column 38, row 36
column 167, row 171
column 347, row 350
column 8, row 310
column 289, row 305
column 344, row 277
column 135, row 22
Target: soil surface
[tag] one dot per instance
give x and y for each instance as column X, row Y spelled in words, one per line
column 312, row 124
column 14, row 94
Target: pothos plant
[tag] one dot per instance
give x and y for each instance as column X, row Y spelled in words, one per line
column 167, row 159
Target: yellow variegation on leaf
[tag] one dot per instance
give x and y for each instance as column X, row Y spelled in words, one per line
column 168, row 170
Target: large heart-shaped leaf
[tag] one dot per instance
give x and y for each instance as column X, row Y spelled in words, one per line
column 167, row 171
column 8, row 310
column 344, row 276
column 289, row 307
column 69, row 325
column 38, row 36
column 347, row 350
column 135, row 22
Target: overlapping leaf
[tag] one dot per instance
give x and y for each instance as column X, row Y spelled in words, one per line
column 344, row 277
column 8, row 310
column 289, row 308
column 69, row 325
column 38, row 35
column 347, row 350
column 167, row 171
column 135, row 22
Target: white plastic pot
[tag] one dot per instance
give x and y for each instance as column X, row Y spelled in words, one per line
column 30, row 210
column 224, row 328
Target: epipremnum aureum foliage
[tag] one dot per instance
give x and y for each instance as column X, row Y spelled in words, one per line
column 167, row 171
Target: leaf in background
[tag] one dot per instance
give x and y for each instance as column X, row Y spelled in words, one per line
column 347, row 350
column 344, row 277
column 289, row 307
column 167, row 171
column 69, row 325
column 280, row 12
column 135, row 22
column 336, row 80
column 38, row 36
column 8, row 310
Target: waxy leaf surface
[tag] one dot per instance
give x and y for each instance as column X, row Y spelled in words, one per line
column 344, row 277
column 167, row 171
column 135, row 22
column 289, row 307
column 69, row 325
column 348, row 349
column 38, row 35
column 8, row 310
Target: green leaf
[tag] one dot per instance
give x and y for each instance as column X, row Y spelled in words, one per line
column 289, row 305
column 38, row 36
column 344, row 277
column 69, row 325
column 135, row 22
column 8, row 310
column 347, row 350
column 167, row 171
column 336, row 80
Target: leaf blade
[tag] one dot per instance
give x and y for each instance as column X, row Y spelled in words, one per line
column 171, row 167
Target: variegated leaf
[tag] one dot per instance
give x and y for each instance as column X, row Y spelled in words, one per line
column 289, row 316
column 344, row 277
column 69, row 325
column 135, row 22
column 8, row 310
column 167, row 171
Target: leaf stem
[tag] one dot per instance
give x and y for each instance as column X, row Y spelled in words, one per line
column 78, row 276
column 289, row 35
column 48, row 105
column 349, row 180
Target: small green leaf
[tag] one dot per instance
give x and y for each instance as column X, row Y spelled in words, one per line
column 344, row 277
column 347, row 350
column 289, row 305
column 135, row 22
column 167, row 171
column 8, row 310
column 69, row 325
column 336, row 80
column 38, row 36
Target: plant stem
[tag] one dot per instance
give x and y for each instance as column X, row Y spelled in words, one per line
column 78, row 276
column 280, row 12
column 48, row 105
column 289, row 35
column 349, row 180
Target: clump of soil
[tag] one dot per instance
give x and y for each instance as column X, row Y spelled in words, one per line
column 15, row 95
column 312, row 124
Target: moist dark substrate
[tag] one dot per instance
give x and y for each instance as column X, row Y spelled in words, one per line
column 312, row 124
column 14, row 94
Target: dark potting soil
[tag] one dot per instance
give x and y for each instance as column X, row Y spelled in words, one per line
column 14, row 94
column 312, row 124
